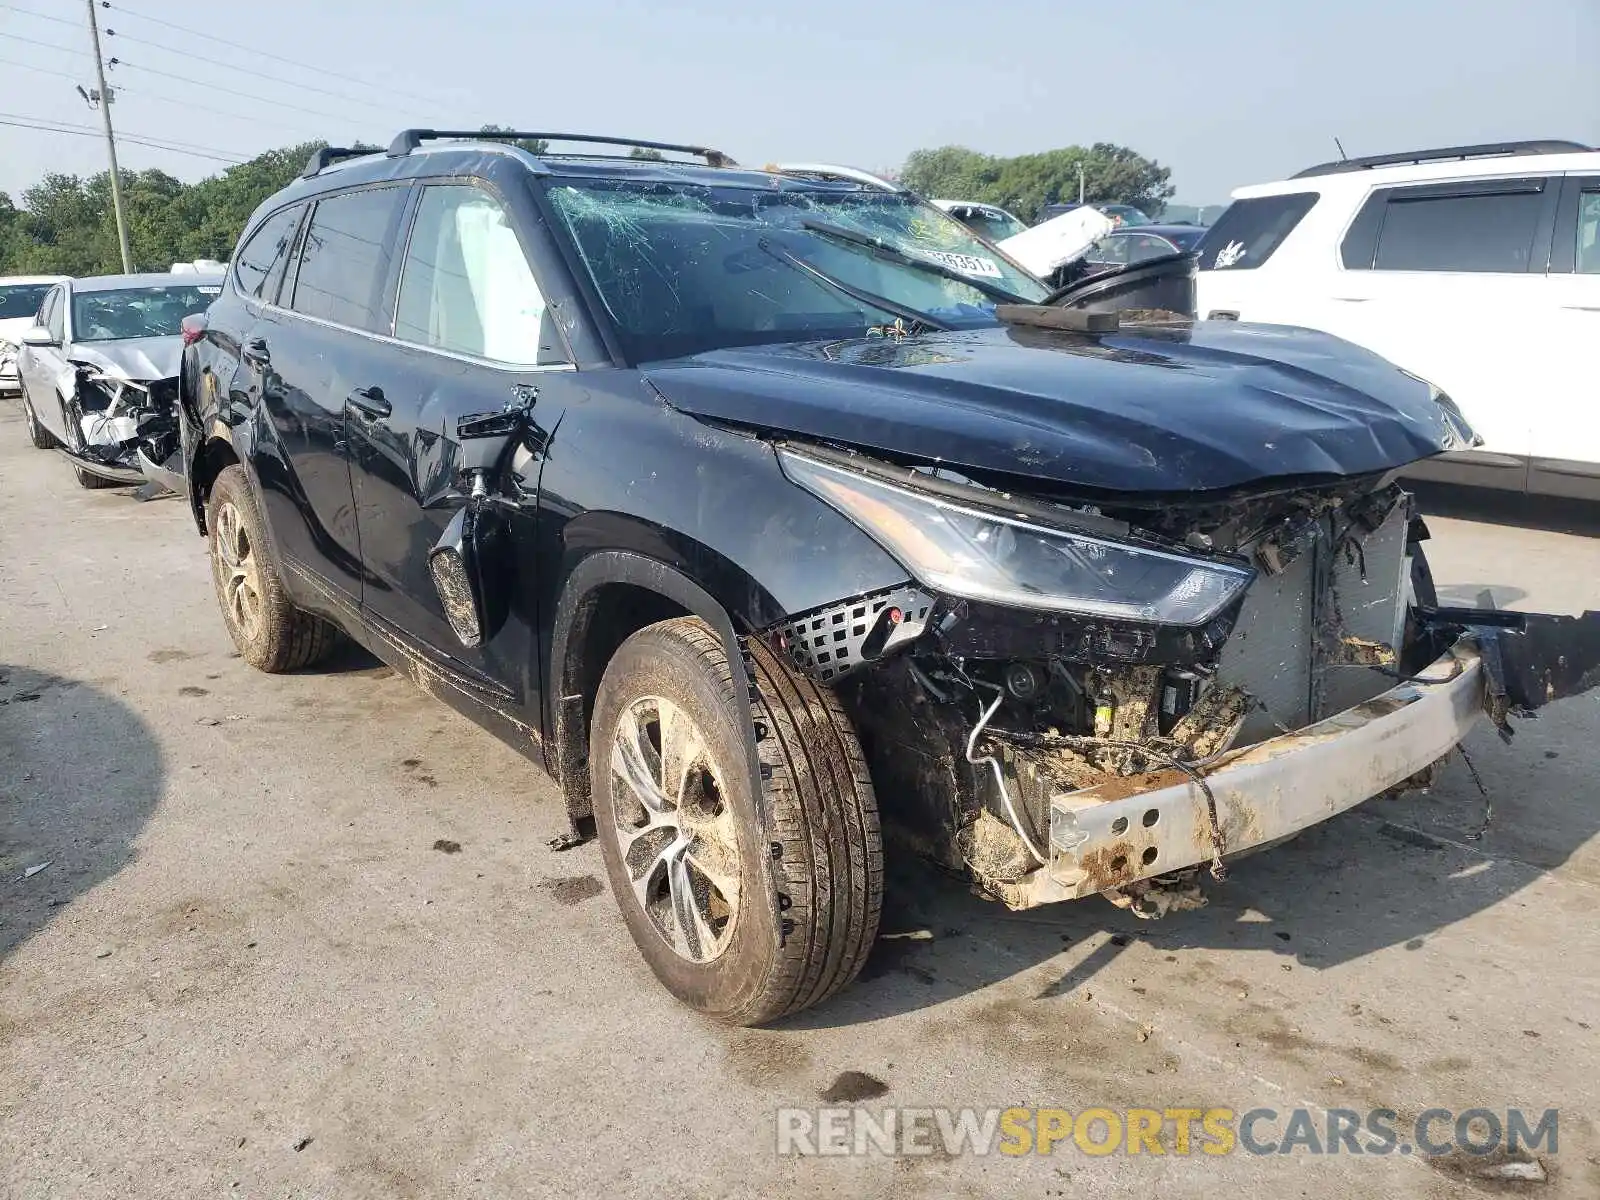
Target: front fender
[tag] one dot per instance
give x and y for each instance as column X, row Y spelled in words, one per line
column 625, row 471
column 573, row 616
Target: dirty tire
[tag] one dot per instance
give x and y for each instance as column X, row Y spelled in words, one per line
column 271, row 634
column 41, row 437
column 88, row 479
column 1414, row 651
column 810, row 867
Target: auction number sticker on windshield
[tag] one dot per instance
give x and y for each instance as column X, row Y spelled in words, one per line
column 209, row 290
column 967, row 264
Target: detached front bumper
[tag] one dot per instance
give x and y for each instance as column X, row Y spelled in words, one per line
column 1135, row 828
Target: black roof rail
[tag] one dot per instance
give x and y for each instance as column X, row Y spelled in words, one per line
column 329, row 154
column 1443, row 154
column 408, row 140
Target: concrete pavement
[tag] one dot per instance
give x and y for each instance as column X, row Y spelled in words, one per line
column 248, row 970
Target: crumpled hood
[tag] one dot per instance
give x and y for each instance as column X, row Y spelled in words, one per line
column 140, row 359
column 1212, row 405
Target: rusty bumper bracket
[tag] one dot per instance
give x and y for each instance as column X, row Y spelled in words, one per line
column 1124, row 831
column 1529, row 659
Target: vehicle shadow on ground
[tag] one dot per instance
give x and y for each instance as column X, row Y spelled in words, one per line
column 1389, row 873
column 349, row 658
column 1481, row 595
column 80, row 774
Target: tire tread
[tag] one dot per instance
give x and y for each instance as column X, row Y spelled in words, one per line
column 292, row 638
column 820, row 810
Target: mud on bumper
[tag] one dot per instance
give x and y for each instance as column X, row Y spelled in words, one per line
column 1130, row 829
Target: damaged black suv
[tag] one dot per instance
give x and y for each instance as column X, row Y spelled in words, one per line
column 759, row 506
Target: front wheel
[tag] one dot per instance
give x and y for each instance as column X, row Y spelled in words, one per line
column 270, row 633
column 41, row 437
column 746, row 906
column 88, row 479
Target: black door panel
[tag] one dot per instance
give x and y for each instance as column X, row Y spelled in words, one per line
column 406, row 468
column 305, row 477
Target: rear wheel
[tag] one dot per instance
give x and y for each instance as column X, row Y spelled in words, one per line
column 41, row 437
column 747, row 907
column 271, row 634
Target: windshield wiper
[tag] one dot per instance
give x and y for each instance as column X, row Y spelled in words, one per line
column 860, row 295
column 895, row 254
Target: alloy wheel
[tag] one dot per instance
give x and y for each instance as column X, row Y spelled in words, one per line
column 675, row 829
column 238, row 571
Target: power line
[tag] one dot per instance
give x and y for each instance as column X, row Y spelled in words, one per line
column 256, row 52
column 86, row 131
column 126, row 65
column 210, row 108
column 42, row 70
column 150, row 139
column 387, row 106
column 42, row 16
column 15, row 37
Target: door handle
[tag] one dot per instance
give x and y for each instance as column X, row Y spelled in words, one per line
column 1353, row 299
column 369, row 402
column 255, row 353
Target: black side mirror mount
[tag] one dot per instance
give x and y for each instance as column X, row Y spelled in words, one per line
column 471, row 563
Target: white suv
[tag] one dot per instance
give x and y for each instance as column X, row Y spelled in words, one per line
column 1475, row 267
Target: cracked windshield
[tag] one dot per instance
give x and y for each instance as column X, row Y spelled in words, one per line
column 685, row 268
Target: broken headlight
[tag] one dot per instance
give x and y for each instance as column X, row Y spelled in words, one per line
column 969, row 551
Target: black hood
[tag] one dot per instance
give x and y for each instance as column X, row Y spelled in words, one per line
column 1210, row 406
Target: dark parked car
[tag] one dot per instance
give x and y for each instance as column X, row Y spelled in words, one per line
column 1123, row 214
column 1141, row 243
column 761, row 507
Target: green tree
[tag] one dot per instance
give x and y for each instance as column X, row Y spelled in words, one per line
column 66, row 225
column 531, row 145
column 949, row 173
column 1111, row 175
column 643, row 152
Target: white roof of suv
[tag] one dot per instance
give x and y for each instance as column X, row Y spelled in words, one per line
column 1422, row 166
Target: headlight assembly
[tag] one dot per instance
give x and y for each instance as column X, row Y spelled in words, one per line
column 966, row 550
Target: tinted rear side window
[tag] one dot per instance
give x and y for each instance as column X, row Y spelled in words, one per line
column 345, row 258
column 265, row 253
column 1479, row 230
column 22, row 300
column 1250, row 230
column 1589, row 232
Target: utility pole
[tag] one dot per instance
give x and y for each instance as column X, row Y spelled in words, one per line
column 1080, row 184
column 111, row 143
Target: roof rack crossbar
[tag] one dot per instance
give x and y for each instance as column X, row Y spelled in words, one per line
column 328, row 154
column 833, row 171
column 408, row 140
column 1444, row 153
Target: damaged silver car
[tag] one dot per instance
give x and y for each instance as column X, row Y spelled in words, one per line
column 99, row 374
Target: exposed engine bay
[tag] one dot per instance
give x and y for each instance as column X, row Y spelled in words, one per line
column 126, row 424
column 987, row 726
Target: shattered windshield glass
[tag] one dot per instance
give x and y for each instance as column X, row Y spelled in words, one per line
column 686, row 267
column 112, row 316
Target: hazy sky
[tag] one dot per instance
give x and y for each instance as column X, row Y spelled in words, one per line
column 1225, row 92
